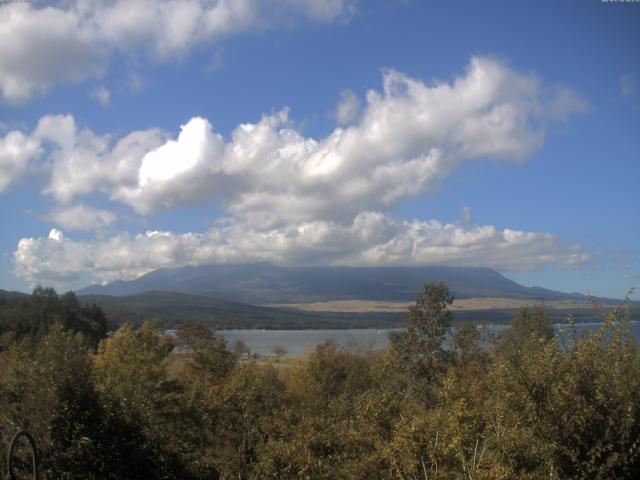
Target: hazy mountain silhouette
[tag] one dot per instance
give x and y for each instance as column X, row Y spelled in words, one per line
column 264, row 283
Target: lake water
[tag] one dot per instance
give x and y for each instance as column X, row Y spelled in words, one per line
column 297, row 342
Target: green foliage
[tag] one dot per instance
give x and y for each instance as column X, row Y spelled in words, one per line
column 437, row 404
column 130, row 369
column 527, row 324
column 244, row 408
column 32, row 317
column 192, row 334
column 418, row 351
column 44, row 390
column 318, row 433
column 132, row 379
column 47, row 388
column 210, row 359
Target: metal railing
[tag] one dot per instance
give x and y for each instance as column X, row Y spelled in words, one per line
column 10, row 475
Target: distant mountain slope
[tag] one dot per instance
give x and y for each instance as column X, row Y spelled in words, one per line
column 264, row 283
column 172, row 309
column 7, row 297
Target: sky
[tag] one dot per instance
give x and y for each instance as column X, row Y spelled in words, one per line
column 142, row 134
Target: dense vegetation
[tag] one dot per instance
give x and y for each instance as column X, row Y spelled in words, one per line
column 32, row 316
column 529, row 405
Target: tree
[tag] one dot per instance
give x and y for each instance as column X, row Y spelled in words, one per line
column 34, row 315
column 251, row 396
column 319, row 432
column 528, row 323
column 193, row 333
column 279, row 351
column 240, row 348
column 418, row 350
column 436, row 404
column 47, row 388
column 132, row 379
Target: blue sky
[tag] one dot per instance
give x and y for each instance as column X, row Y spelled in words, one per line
column 507, row 135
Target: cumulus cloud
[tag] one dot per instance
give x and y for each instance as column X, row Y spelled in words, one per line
column 82, row 162
column 17, row 150
column 409, row 136
column 67, row 42
column 371, row 239
column 168, row 174
column 295, row 199
column 82, row 217
column 41, row 46
column 348, row 107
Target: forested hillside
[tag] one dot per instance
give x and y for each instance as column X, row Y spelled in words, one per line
column 31, row 316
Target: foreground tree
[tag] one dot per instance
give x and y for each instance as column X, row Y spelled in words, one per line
column 47, row 388
column 132, row 379
column 433, row 405
column 418, row 352
column 210, row 360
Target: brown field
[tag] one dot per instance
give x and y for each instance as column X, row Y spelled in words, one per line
column 362, row 306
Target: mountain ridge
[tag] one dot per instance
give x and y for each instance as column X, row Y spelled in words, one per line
column 173, row 308
column 265, row 283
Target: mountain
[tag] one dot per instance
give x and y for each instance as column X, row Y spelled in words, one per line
column 172, row 309
column 7, row 297
column 265, row 283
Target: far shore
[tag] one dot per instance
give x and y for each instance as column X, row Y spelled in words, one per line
column 370, row 306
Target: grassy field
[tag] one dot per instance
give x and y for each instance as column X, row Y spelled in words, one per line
column 478, row 304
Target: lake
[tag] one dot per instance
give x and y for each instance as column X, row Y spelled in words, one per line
column 297, row 342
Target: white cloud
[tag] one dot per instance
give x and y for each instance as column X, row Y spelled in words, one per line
column 348, row 108
column 17, row 150
column 84, row 163
column 371, row 239
column 102, row 95
column 628, row 85
column 82, row 217
column 299, row 200
column 409, row 137
column 43, row 46
column 67, row 42
column 58, row 129
column 563, row 103
column 165, row 182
